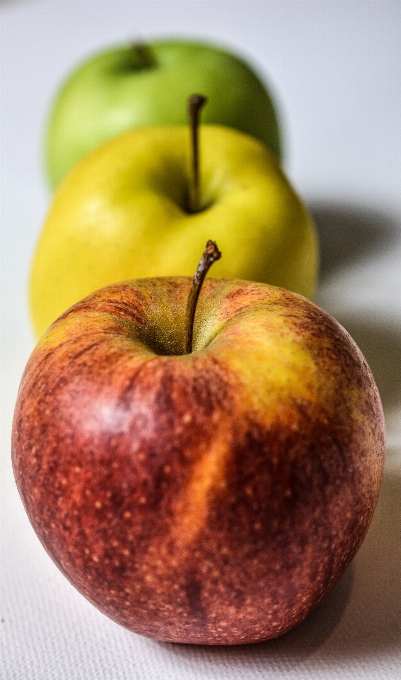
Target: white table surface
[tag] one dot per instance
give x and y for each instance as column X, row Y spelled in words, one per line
column 336, row 69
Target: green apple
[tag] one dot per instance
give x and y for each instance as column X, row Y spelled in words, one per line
column 142, row 85
column 210, row 497
column 123, row 213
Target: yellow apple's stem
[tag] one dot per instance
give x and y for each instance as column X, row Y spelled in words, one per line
column 195, row 104
column 210, row 255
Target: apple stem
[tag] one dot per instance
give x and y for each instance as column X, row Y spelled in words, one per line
column 143, row 54
column 195, row 104
column 210, row 255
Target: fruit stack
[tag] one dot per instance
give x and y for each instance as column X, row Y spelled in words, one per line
column 200, row 458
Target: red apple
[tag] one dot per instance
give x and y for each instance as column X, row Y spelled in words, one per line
column 212, row 497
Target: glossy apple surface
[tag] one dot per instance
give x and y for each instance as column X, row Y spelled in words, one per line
column 213, row 497
column 122, row 213
column 126, row 87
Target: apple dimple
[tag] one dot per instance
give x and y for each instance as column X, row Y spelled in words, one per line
column 138, row 58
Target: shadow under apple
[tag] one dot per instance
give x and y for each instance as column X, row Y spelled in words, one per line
column 372, row 621
column 349, row 233
column 287, row 650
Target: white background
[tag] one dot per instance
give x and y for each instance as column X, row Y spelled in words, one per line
column 335, row 67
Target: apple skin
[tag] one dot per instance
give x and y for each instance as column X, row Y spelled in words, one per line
column 213, row 497
column 112, row 92
column 122, row 214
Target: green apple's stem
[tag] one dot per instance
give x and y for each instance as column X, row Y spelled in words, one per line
column 144, row 57
column 195, row 104
column 210, row 255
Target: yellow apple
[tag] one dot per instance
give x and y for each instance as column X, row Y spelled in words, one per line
column 122, row 213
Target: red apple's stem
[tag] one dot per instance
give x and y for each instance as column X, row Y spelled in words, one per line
column 210, row 255
column 195, row 104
